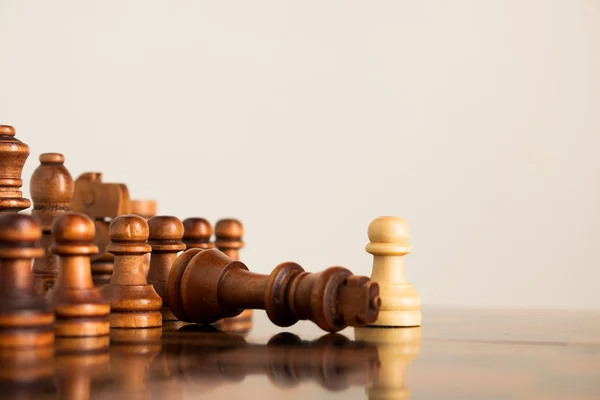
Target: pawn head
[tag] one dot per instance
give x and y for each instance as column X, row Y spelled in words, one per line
column 388, row 235
column 165, row 227
column 229, row 229
column 19, row 237
column 128, row 235
column 73, row 234
column 129, row 228
column 197, row 229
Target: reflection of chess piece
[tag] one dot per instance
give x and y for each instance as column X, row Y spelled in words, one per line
column 397, row 347
column 27, row 373
column 77, row 367
column 400, row 303
column 101, row 202
column 51, row 189
column 145, row 209
column 228, row 239
column 209, row 358
column 131, row 353
column 13, row 154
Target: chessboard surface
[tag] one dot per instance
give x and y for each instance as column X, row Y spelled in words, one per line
column 456, row 354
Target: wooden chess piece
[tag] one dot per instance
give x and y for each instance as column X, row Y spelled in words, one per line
column 197, row 233
column 77, row 305
column 101, row 202
column 13, row 155
column 25, row 318
column 228, row 239
column 51, row 190
column 145, row 209
column 206, row 285
column 134, row 303
column 397, row 348
column 400, row 303
column 165, row 239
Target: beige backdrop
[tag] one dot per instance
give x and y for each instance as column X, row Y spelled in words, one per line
column 476, row 121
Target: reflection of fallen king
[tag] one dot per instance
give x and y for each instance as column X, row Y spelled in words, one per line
column 397, row 348
column 333, row 361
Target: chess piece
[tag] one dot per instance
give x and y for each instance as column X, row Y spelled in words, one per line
column 165, row 239
column 134, row 303
column 228, row 239
column 145, row 209
column 400, row 303
column 51, row 190
column 197, row 233
column 77, row 305
column 397, row 347
column 206, row 285
column 25, row 318
column 13, row 155
column 101, row 202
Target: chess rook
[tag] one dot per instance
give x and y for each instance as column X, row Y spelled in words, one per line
column 400, row 303
column 51, row 188
column 25, row 318
column 165, row 239
column 197, row 233
column 13, row 155
column 133, row 302
column 77, row 305
column 206, row 285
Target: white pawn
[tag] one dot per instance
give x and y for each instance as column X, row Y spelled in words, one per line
column 400, row 303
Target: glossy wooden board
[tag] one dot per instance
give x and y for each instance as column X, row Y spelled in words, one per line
column 455, row 354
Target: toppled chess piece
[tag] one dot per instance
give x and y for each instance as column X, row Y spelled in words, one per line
column 25, row 318
column 133, row 302
column 51, row 188
column 206, row 285
column 400, row 303
column 77, row 305
column 13, row 155
column 165, row 239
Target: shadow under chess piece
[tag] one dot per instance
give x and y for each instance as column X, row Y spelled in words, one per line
column 76, row 369
column 205, row 286
column 78, row 307
column 133, row 302
column 13, row 155
column 398, row 347
column 165, row 239
column 400, row 303
column 51, row 188
column 209, row 359
column 102, row 202
column 25, row 318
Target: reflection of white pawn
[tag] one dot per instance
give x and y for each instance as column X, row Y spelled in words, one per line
column 397, row 348
column 400, row 303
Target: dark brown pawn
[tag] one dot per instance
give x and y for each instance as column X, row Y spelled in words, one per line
column 134, row 303
column 13, row 154
column 206, row 285
column 197, row 233
column 228, row 237
column 77, row 305
column 25, row 318
column 165, row 238
column 51, row 189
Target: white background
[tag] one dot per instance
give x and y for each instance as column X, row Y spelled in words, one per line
column 476, row 121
